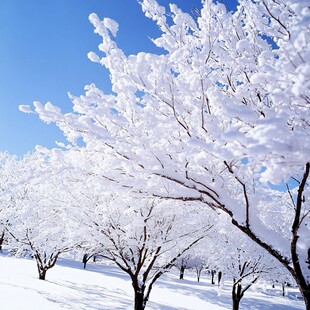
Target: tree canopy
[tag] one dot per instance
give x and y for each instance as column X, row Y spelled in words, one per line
column 217, row 117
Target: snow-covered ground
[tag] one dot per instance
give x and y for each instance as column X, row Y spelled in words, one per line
column 69, row 286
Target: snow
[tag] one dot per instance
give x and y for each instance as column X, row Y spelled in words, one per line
column 25, row 108
column 93, row 57
column 104, row 286
column 111, row 24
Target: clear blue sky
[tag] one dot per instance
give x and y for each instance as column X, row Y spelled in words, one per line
column 43, row 56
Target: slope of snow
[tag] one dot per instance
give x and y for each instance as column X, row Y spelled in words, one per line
column 69, row 286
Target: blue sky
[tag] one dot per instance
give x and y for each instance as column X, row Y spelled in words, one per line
column 43, row 56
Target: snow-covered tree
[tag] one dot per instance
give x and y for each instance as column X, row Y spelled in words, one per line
column 244, row 263
column 8, row 175
column 37, row 224
column 195, row 260
column 223, row 111
column 183, row 263
column 248, row 268
column 204, row 256
column 240, row 260
column 145, row 238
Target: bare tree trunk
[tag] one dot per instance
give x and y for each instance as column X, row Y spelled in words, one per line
column 236, row 295
column 306, row 296
column 236, row 304
column 44, row 264
column 1, row 240
column 297, row 272
column 219, row 278
column 283, row 289
column 85, row 256
column 182, row 269
column 213, row 272
column 140, row 302
column 42, row 273
column 238, row 291
column 198, row 272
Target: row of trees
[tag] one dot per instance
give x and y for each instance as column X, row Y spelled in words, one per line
column 217, row 117
column 52, row 203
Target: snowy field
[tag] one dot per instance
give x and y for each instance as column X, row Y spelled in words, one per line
column 69, row 286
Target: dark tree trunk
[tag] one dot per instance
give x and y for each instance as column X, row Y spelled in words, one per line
column 182, row 269
column 139, row 299
column 306, row 296
column 213, row 272
column 1, row 240
column 44, row 264
column 86, row 258
column 299, row 275
column 219, row 278
column 283, row 289
column 238, row 292
column 236, row 304
column 42, row 273
column 199, row 271
column 236, row 295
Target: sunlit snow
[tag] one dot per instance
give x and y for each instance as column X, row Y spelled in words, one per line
column 104, row 286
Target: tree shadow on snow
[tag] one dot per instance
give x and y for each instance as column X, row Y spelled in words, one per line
column 209, row 293
column 107, row 270
column 201, row 290
column 95, row 297
column 90, row 297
